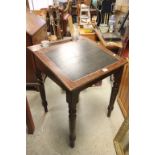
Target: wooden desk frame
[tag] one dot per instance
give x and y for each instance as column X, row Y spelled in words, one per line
column 73, row 88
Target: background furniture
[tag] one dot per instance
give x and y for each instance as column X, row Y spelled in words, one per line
column 36, row 31
column 29, row 119
column 121, row 140
column 84, row 16
column 76, row 65
column 123, row 95
column 117, row 47
column 121, row 48
column 112, row 45
column 91, row 35
column 93, row 11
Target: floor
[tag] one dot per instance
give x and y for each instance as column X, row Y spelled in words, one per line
column 95, row 131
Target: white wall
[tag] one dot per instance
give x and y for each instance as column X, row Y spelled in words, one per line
column 38, row 4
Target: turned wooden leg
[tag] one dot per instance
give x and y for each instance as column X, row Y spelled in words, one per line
column 29, row 120
column 115, row 88
column 42, row 90
column 72, row 99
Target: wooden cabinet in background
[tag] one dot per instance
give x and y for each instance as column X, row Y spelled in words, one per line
column 36, row 31
column 123, row 95
column 91, row 35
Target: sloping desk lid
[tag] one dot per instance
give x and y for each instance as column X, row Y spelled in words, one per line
column 33, row 23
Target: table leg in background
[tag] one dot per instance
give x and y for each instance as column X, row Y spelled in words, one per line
column 42, row 90
column 115, row 88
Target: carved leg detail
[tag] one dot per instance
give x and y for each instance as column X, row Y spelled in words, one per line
column 72, row 99
column 42, row 90
column 115, row 88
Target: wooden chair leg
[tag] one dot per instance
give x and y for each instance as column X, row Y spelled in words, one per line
column 43, row 96
column 39, row 86
column 42, row 90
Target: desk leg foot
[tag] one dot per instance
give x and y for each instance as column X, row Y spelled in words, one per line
column 72, row 124
column 72, row 142
column 114, row 91
column 45, row 107
column 72, row 99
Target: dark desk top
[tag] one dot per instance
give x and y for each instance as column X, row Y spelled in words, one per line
column 78, row 59
column 78, row 62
